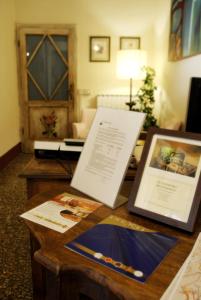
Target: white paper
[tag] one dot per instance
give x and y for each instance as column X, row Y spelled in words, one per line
column 168, row 192
column 62, row 212
column 69, row 148
column 187, row 282
column 44, row 145
column 106, row 153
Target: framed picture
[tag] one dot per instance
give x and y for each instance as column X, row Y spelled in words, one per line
column 167, row 185
column 185, row 38
column 129, row 42
column 99, row 48
column 48, row 122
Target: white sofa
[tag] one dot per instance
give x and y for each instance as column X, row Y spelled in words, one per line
column 81, row 129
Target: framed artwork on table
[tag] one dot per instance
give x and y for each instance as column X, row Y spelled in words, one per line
column 129, row 42
column 99, row 49
column 167, row 185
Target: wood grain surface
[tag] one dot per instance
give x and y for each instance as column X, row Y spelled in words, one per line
column 70, row 276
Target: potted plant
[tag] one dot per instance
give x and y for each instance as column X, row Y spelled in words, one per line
column 145, row 98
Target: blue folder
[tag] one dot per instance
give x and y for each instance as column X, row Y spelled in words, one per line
column 123, row 246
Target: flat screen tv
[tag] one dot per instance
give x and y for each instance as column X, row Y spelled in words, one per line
column 193, row 117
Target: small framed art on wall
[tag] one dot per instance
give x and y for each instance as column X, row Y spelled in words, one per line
column 99, row 49
column 129, row 42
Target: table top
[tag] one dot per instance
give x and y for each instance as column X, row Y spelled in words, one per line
column 49, row 168
column 56, row 169
column 53, row 256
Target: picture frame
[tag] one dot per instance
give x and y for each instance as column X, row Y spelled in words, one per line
column 99, row 48
column 184, row 40
column 129, row 42
column 167, row 185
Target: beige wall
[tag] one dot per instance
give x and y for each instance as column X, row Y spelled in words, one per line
column 9, row 110
column 175, row 76
column 148, row 19
column 177, row 82
column 112, row 18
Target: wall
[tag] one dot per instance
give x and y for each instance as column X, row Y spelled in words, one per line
column 148, row 19
column 112, row 18
column 175, row 76
column 9, row 112
column 160, row 39
column 177, row 83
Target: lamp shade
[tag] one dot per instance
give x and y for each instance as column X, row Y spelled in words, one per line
column 130, row 63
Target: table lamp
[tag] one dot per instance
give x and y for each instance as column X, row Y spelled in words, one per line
column 129, row 66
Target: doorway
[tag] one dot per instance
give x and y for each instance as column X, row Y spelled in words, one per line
column 47, row 82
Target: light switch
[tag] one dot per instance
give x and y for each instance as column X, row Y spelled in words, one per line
column 84, row 92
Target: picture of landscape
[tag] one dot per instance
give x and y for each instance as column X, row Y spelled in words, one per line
column 176, row 157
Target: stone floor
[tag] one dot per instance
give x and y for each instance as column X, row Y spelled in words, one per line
column 15, row 268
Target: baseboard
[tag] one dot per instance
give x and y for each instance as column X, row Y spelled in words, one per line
column 10, row 155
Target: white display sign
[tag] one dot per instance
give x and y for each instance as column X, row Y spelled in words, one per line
column 106, row 154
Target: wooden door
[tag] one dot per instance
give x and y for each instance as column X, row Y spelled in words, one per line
column 47, row 80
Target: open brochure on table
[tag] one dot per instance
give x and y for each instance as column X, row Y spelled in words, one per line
column 187, row 282
column 61, row 212
column 123, row 246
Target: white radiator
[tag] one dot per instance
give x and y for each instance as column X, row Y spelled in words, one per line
column 113, row 101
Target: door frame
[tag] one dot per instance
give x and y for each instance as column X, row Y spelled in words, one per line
column 25, row 104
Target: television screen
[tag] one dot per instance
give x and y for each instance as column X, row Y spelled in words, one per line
column 193, row 118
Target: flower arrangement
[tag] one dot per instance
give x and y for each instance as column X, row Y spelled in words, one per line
column 49, row 124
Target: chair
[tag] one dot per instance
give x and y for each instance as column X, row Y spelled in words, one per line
column 171, row 123
column 81, row 129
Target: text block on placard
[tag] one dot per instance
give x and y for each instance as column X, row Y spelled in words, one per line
column 106, row 154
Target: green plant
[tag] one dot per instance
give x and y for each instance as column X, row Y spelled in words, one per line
column 145, row 98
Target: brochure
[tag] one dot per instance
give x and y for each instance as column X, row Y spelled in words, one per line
column 187, row 282
column 123, row 246
column 61, row 212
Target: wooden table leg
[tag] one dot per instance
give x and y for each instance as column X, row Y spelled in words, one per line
column 38, row 273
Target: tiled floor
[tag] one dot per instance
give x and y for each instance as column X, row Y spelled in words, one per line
column 15, row 270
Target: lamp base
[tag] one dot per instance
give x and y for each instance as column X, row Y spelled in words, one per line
column 130, row 104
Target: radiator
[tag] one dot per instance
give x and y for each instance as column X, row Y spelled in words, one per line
column 113, row 101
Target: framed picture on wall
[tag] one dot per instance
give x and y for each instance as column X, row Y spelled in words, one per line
column 99, row 49
column 167, row 185
column 129, row 42
column 185, row 38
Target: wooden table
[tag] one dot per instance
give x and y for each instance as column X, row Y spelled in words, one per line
column 67, row 275
column 49, row 174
